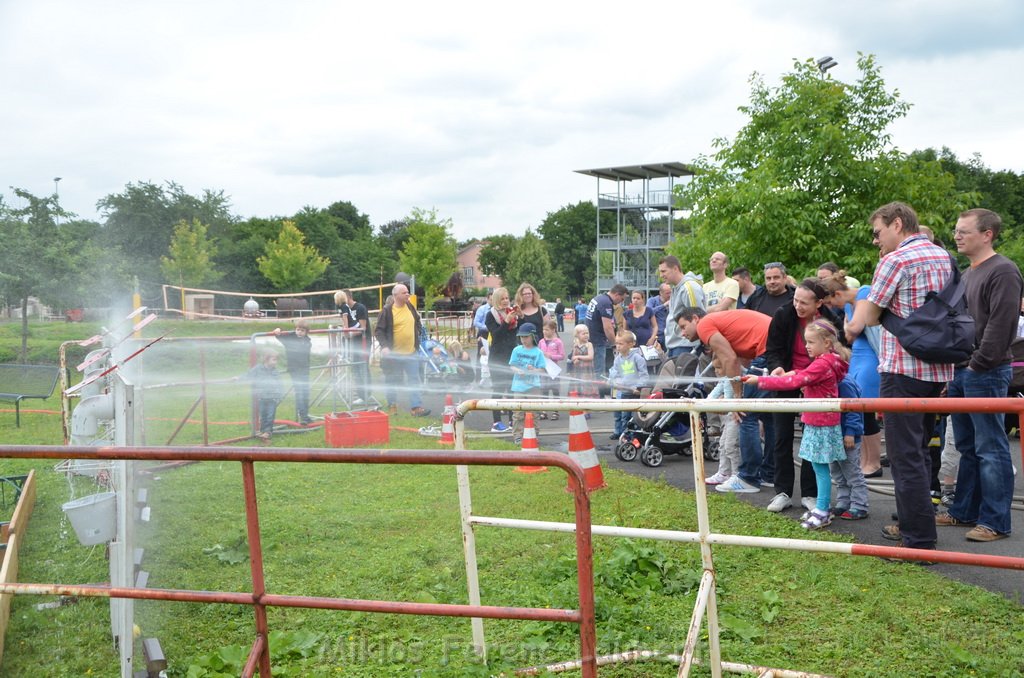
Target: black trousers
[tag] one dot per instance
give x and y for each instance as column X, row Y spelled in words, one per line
column 785, row 465
column 906, row 444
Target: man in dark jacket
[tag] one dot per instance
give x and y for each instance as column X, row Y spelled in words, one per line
column 398, row 333
column 776, row 293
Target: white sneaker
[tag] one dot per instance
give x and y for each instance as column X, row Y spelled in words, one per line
column 780, row 503
column 809, row 502
column 737, row 484
column 716, row 479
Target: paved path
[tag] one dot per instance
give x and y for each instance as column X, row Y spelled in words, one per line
column 678, row 472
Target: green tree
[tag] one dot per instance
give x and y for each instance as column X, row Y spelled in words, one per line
column 289, row 263
column 802, row 176
column 191, row 260
column 238, row 251
column 33, row 255
column 495, row 255
column 530, row 263
column 429, row 253
column 570, row 234
column 1000, row 191
column 139, row 221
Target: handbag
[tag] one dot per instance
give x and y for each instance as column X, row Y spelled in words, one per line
column 940, row 330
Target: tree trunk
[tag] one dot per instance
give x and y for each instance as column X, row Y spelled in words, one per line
column 24, row 329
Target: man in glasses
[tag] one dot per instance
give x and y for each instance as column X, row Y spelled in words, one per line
column 910, row 267
column 984, row 483
column 776, row 293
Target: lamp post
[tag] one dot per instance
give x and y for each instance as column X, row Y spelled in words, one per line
column 825, row 63
column 56, row 199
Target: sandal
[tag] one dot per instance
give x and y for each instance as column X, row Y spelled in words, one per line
column 553, row 416
column 816, row 520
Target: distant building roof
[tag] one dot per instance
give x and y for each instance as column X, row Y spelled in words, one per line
column 656, row 170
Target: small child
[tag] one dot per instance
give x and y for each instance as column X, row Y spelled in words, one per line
column 627, row 376
column 851, row 488
column 459, row 360
column 267, row 390
column 527, row 364
column 554, row 351
column 822, row 441
column 297, row 347
column 729, row 442
column 582, row 361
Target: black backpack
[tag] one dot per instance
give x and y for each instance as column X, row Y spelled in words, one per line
column 940, row 330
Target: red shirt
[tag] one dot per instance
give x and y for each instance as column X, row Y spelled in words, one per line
column 746, row 331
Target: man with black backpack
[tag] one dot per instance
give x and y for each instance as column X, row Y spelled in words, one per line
column 910, row 267
column 984, row 483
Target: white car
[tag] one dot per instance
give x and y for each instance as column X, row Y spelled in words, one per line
column 549, row 306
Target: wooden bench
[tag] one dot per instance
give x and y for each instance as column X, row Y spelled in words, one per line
column 18, row 382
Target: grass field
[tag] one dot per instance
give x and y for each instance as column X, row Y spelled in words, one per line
column 392, row 532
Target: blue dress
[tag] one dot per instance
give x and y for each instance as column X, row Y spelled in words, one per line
column 863, row 361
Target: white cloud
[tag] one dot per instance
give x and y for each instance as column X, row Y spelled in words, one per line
column 481, row 111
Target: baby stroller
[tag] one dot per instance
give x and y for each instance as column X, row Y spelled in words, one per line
column 652, row 435
column 441, row 366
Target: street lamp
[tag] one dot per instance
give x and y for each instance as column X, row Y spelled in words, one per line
column 825, row 63
column 56, row 199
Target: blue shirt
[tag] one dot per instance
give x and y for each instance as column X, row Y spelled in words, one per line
column 522, row 358
column 480, row 317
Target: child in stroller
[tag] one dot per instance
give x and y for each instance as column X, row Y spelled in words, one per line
column 451, row 365
column 652, row 435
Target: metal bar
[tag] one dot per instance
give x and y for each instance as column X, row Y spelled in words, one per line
column 259, row 587
column 259, row 646
column 202, row 394
column 184, row 420
column 469, row 541
column 584, row 573
column 707, row 584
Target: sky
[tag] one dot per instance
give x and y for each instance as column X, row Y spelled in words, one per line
column 480, row 110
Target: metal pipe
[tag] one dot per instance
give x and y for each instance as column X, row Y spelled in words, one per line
column 258, row 649
column 259, row 586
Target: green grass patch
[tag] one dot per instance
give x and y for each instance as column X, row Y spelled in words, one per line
column 392, row 532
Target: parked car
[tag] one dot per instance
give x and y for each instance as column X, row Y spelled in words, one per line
column 549, row 306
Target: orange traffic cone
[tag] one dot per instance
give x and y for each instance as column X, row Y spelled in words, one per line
column 530, row 445
column 581, row 450
column 448, row 422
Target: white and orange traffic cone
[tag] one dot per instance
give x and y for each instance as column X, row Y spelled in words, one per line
column 530, row 445
column 581, row 451
column 448, row 422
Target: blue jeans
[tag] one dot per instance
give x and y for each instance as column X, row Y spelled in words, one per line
column 405, row 370
column 267, row 410
column 754, row 464
column 622, row 418
column 984, row 484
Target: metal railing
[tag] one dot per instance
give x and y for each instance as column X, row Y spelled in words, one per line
column 260, row 599
column 705, row 607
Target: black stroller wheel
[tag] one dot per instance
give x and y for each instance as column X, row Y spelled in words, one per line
column 626, row 451
column 651, row 456
column 711, row 451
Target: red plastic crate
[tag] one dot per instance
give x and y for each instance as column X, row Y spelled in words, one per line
column 352, row 429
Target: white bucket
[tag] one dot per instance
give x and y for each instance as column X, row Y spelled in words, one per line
column 93, row 517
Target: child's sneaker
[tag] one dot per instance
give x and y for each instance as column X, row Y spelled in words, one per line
column 717, row 479
column 816, row 520
column 854, row 514
column 499, row 427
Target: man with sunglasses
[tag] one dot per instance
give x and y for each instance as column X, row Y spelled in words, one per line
column 910, row 267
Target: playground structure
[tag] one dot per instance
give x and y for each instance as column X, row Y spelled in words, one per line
column 705, row 608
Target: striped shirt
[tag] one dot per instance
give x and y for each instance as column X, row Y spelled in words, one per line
column 901, row 281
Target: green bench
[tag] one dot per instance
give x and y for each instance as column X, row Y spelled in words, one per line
column 18, row 382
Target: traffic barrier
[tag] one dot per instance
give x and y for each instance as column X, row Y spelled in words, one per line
column 447, row 422
column 581, row 451
column 530, row 445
